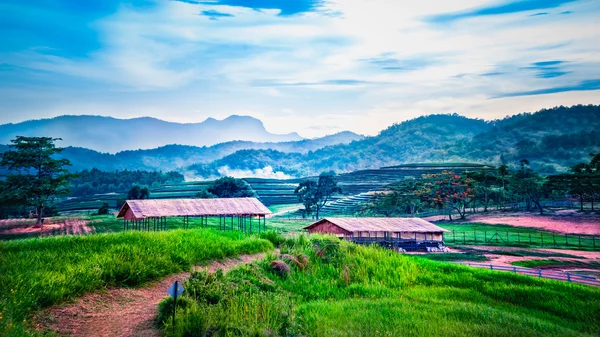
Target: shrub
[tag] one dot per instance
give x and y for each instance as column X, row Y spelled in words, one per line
column 104, row 209
column 280, row 268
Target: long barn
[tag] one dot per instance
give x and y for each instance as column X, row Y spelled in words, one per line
column 405, row 233
column 153, row 213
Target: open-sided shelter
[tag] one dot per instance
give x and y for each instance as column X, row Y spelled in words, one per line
column 407, row 233
column 153, row 213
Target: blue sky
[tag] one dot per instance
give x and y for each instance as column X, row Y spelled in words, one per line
column 311, row 66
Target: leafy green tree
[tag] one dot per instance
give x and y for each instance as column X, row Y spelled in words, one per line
column 483, row 181
column 529, row 185
column 138, row 193
column 104, row 209
column 229, row 187
column 503, row 172
column 315, row 195
column 401, row 198
column 36, row 178
column 205, row 194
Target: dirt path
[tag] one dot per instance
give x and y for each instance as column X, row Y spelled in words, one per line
column 120, row 311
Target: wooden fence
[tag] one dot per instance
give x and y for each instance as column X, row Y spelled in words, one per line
column 548, row 274
column 543, row 239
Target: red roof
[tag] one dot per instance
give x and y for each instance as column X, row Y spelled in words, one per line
column 150, row 208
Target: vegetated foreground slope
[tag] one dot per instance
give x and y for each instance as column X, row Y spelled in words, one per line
column 324, row 287
column 37, row 273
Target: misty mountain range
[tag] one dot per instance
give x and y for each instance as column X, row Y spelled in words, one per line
column 107, row 134
column 552, row 139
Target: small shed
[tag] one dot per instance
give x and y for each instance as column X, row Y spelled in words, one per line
column 154, row 212
column 396, row 232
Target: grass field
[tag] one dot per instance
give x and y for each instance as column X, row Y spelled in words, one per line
column 110, row 224
column 323, row 287
column 511, row 236
column 449, row 257
column 546, row 263
column 36, row 273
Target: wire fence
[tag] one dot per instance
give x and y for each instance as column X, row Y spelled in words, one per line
column 548, row 274
column 556, row 240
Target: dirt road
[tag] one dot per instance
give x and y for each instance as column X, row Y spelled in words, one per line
column 120, row 311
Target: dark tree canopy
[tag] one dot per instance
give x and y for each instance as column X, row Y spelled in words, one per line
column 35, row 178
column 316, row 194
column 228, row 187
column 138, row 193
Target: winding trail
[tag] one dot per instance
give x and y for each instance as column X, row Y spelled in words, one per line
column 120, row 311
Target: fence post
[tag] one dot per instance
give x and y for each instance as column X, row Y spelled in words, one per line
column 539, row 272
column 568, row 277
column 491, row 267
column 515, row 269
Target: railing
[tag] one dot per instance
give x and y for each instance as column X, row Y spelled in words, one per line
column 543, row 239
column 553, row 275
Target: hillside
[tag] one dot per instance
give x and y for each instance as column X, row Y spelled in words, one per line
column 107, row 134
column 177, row 157
column 552, row 139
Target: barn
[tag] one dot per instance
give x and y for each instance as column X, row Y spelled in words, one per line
column 405, row 233
column 240, row 213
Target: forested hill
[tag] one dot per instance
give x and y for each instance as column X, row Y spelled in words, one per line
column 552, row 139
column 178, row 157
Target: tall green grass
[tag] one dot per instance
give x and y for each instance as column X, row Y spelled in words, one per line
column 349, row 290
column 36, row 273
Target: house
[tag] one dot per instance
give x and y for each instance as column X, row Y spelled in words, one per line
column 405, row 233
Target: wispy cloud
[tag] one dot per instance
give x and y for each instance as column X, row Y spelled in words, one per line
column 508, row 7
column 285, row 7
column 587, row 85
column 215, row 15
column 548, row 69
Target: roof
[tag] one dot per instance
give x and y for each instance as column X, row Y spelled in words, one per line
column 416, row 225
column 193, row 207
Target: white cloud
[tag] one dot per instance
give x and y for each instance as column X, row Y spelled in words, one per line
column 172, row 63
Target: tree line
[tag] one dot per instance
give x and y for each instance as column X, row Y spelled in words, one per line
column 504, row 187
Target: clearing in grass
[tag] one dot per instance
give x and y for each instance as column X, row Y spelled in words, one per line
column 321, row 286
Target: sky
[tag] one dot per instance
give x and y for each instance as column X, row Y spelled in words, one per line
column 315, row 67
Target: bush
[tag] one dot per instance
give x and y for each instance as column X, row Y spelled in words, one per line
column 104, row 209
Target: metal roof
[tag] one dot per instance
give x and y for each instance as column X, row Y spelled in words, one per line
column 416, row 225
column 149, row 208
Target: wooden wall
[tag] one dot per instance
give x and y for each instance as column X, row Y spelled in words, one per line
column 327, row 227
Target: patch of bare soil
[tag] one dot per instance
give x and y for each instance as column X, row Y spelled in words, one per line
column 120, row 311
column 20, row 227
column 565, row 222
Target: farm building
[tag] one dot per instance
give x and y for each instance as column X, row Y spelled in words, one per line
column 406, row 233
column 153, row 213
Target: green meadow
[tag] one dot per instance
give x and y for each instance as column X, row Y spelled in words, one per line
column 40, row 272
column 321, row 286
